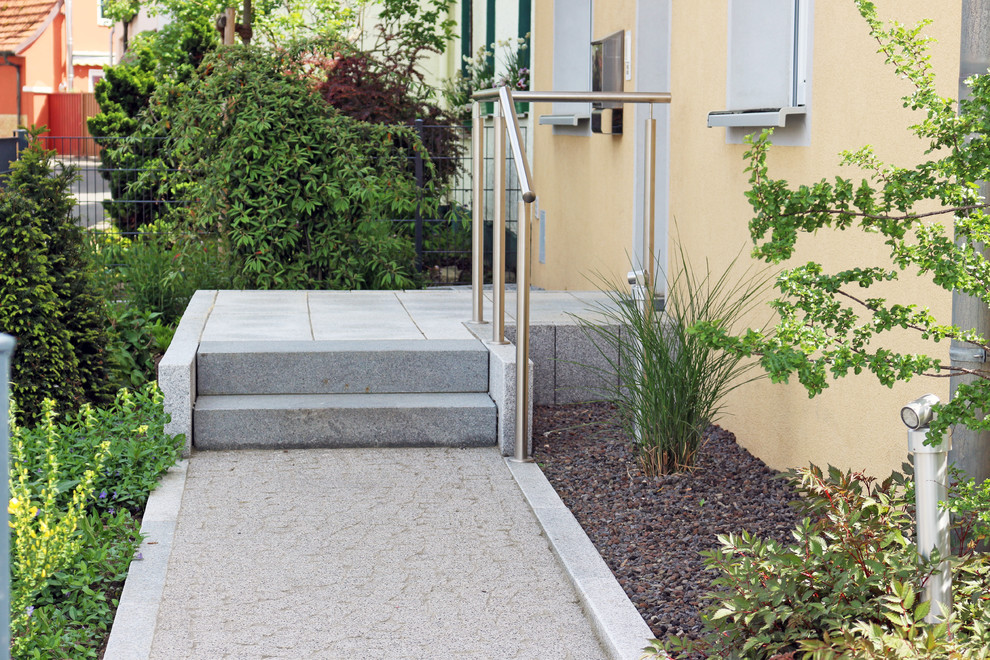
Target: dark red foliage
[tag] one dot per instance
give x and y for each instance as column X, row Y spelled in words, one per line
column 385, row 87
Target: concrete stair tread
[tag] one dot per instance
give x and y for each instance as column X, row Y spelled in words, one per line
column 344, row 420
column 341, row 367
column 343, row 345
column 331, row 401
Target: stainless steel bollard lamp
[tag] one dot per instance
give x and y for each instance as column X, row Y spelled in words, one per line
column 931, row 486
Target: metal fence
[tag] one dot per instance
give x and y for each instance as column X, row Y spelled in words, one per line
column 119, row 195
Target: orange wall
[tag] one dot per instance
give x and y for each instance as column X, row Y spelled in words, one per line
column 46, row 57
column 45, row 65
column 8, row 98
column 87, row 34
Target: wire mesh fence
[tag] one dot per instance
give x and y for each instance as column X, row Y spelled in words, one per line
column 122, row 196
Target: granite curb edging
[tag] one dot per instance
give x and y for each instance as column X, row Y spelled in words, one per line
column 137, row 611
column 620, row 628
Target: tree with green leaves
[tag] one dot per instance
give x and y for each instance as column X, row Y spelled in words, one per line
column 932, row 219
column 425, row 23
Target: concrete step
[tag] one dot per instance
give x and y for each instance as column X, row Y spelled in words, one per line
column 344, row 420
column 341, row 367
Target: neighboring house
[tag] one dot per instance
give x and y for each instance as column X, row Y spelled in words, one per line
column 841, row 96
column 49, row 50
column 143, row 21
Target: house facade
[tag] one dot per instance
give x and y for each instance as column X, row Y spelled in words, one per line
column 810, row 68
column 49, row 49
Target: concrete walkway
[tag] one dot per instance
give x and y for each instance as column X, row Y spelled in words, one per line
column 365, row 553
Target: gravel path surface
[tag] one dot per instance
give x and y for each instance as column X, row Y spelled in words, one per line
column 650, row 530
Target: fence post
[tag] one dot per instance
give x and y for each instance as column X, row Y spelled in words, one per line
column 6, row 352
column 420, row 184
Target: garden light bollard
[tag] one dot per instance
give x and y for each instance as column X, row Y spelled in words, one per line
column 6, row 351
column 931, row 485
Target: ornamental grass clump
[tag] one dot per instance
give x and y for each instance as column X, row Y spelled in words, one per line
column 671, row 384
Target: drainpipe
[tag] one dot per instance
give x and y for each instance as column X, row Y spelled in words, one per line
column 17, row 68
column 69, row 71
column 971, row 450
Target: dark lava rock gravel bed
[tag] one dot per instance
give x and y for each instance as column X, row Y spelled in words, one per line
column 650, row 530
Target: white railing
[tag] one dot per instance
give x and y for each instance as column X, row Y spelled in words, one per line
column 505, row 111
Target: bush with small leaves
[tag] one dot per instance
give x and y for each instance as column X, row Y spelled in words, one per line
column 50, row 301
column 848, row 587
column 296, row 189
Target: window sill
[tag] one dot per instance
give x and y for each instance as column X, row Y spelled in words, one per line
column 762, row 118
column 563, row 120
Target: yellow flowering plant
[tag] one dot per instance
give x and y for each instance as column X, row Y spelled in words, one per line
column 43, row 532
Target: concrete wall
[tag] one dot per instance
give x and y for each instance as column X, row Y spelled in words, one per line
column 855, row 101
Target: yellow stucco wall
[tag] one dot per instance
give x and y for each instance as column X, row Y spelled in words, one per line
column 583, row 183
column 855, row 101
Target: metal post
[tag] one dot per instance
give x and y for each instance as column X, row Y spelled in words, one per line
column 522, row 337
column 971, row 452
column 649, row 205
column 6, row 351
column 498, row 232
column 477, row 215
column 931, row 478
column 420, row 183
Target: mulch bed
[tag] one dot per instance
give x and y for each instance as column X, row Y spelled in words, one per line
column 650, row 531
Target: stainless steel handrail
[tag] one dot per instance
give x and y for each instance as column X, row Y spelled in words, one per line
column 574, row 97
column 515, row 143
column 505, row 109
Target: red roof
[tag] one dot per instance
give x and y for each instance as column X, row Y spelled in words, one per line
column 20, row 20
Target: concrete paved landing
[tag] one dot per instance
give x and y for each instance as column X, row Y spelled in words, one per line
column 363, row 553
column 373, row 315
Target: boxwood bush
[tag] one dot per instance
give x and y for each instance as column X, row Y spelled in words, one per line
column 296, row 188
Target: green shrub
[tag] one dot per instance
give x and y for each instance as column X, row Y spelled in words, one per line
column 72, row 615
column 387, row 88
column 138, row 451
column 158, row 271
column 45, row 511
column 848, row 587
column 74, row 488
column 671, row 383
column 48, row 299
column 128, row 148
column 293, row 186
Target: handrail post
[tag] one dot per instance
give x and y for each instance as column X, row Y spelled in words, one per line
column 477, row 215
column 649, row 204
column 420, row 185
column 505, row 110
column 498, row 232
column 522, row 440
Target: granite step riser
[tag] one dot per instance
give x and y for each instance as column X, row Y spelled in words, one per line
column 342, row 368
column 326, row 421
